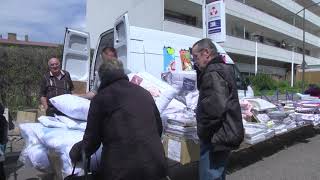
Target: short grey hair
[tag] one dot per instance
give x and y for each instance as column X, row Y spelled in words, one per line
column 110, row 65
column 54, row 58
column 206, row 43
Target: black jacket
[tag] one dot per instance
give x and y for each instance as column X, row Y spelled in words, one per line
column 124, row 118
column 219, row 119
column 3, row 127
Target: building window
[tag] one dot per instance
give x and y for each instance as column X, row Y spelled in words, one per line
column 180, row 18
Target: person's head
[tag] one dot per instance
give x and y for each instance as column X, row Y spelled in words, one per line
column 54, row 66
column 110, row 67
column 109, row 53
column 203, row 51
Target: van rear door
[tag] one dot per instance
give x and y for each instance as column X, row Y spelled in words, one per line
column 105, row 40
column 76, row 58
column 121, row 39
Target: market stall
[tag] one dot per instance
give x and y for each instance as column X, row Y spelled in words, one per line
column 48, row 142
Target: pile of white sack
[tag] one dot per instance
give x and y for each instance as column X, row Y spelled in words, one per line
column 56, row 134
column 179, row 117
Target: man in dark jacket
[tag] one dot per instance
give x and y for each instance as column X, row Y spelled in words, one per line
column 124, row 118
column 219, row 121
column 3, row 139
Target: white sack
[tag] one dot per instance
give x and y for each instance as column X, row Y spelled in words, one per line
column 162, row 92
column 182, row 79
column 61, row 142
column 35, row 156
column 31, row 132
column 73, row 106
column 192, row 99
column 72, row 123
column 261, row 104
column 174, row 106
column 51, row 122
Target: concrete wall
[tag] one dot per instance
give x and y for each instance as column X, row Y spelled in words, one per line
column 295, row 7
column 255, row 16
column 102, row 14
column 246, row 47
column 182, row 29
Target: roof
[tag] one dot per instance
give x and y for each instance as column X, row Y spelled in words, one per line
column 27, row 43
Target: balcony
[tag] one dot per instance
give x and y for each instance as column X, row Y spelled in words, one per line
column 270, row 23
column 247, row 47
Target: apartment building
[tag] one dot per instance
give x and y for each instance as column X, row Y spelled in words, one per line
column 270, row 24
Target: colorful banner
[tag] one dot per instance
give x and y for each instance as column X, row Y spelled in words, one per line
column 185, row 60
column 169, row 63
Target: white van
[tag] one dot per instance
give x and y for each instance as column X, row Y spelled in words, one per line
column 139, row 49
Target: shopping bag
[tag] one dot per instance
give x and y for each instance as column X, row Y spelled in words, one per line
column 86, row 167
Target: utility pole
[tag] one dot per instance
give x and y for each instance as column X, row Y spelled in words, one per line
column 304, row 50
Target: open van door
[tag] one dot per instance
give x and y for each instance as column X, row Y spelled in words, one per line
column 105, row 40
column 76, row 58
column 121, row 39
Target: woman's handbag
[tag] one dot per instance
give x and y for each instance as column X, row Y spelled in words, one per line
column 86, row 167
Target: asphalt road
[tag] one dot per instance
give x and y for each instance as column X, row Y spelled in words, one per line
column 293, row 157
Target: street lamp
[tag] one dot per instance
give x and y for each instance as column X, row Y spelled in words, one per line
column 304, row 40
column 256, row 37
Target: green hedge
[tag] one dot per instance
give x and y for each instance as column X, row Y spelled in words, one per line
column 265, row 84
column 20, row 74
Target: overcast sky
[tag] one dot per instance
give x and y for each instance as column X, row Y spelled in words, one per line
column 42, row 20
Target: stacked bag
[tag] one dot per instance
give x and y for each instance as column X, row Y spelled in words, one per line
column 56, row 134
column 179, row 116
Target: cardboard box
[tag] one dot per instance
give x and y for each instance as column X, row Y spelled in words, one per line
column 181, row 149
column 40, row 112
column 22, row 117
column 79, row 87
column 26, row 117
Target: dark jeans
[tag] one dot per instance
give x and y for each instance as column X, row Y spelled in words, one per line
column 212, row 163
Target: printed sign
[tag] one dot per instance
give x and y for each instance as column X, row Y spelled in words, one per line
column 188, row 84
column 174, row 150
column 216, row 21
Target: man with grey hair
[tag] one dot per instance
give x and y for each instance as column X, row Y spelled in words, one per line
column 125, row 119
column 219, row 121
column 54, row 83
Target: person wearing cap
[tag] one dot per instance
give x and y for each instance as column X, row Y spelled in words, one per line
column 54, row 83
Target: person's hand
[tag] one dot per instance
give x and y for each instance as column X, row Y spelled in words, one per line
column 43, row 107
column 75, row 152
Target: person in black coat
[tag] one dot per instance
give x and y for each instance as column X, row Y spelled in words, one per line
column 3, row 139
column 124, row 118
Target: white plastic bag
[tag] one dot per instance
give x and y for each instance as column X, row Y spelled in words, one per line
column 31, row 133
column 61, row 141
column 35, row 156
column 73, row 106
column 183, row 80
column 162, row 92
column 51, row 122
column 72, row 123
